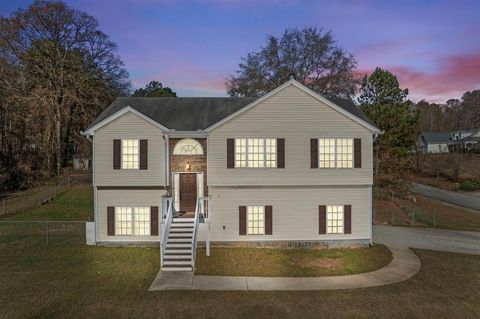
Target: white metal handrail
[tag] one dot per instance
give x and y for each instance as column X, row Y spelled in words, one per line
column 195, row 230
column 167, row 217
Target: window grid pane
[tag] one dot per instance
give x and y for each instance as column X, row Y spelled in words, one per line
column 326, row 152
column 335, row 153
column 255, row 220
column 240, row 152
column 141, row 216
column 130, row 154
column 344, row 153
column 335, row 219
column 123, row 221
column 255, row 152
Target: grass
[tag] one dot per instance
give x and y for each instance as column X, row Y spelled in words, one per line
column 428, row 213
column 106, row 282
column 74, row 204
column 291, row 262
column 67, row 279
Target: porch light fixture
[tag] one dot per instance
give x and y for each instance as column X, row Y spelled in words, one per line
column 187, row 167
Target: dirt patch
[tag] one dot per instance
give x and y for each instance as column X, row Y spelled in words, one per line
column 327, row 263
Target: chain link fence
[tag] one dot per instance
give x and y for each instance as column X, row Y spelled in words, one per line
column 38, row 196
column 35, row 233
column 395, row 209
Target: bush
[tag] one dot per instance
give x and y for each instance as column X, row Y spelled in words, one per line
column 469, row 185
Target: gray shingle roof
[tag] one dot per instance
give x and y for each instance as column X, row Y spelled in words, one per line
column 196, row 113
column 437, row 137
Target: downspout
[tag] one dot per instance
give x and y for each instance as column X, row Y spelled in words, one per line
column 91, row 137
column 167, row 162
column 370, row 190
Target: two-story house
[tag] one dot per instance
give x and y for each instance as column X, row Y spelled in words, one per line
column 288, row 168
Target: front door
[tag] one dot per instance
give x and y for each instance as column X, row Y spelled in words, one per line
column 188, row 192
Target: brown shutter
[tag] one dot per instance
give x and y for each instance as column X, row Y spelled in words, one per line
column 322, row 219
column 242, row 218
column 357, row 152
column 143, row 154
column 110, row 221
column 347, row 216
column 280, row 153
column 268, row 220
column 314, row 153
column 116, row 153
column 154, row 220
column 230, row 153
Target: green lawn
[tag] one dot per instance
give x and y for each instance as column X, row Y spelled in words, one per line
column 74, row 204
column 291, row 262
column 78, row 282
column 67, row 279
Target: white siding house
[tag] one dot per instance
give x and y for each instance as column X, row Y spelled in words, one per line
column 288, row 168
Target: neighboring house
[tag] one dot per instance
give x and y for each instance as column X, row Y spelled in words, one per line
column 435, row 142
column 450, row 142
column 288, row 168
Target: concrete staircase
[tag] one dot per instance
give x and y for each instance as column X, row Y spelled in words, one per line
column 178, row 250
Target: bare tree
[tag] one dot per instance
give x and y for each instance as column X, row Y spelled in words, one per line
column 58, row 71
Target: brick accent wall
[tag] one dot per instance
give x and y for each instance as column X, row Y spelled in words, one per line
column 198, row 163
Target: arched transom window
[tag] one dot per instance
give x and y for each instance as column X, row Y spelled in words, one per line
column 188, row 146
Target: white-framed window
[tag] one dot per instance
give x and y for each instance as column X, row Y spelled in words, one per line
column 344, row 153
column 256, row 152
column 334, row 219
column 255, row 220
column 141, row 217
column 132, row 220
column 123, row 221
column 335, row 152
column 130, row 154
column 326, row 152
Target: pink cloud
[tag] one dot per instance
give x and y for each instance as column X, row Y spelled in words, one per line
column 454, row 75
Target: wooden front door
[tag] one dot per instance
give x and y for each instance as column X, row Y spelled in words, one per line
column 188, row 192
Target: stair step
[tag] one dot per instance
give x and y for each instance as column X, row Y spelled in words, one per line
column 181, row 226
column 178, row 246
column 180, row 254
column 183, row 220
column 177, row 258
column 174, row 268
column 180, row 235
column 179, row 239
column 179, row 250
column 185, row 263
column 180, row 229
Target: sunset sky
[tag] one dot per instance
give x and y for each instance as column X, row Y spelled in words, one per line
column 192, row 46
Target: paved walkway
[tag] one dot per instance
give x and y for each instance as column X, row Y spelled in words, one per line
column 404, row 265
column 427, row 238
column 464, row 200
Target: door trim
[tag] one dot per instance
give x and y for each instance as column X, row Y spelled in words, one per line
column 176, row 187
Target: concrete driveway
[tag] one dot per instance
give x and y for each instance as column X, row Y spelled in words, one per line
column 464, row 200
column 426, row 238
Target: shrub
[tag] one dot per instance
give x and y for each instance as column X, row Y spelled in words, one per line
column 469, row 185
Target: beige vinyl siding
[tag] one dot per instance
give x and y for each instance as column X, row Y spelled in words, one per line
column 295, row 211
column 296, row 116
column 130, row 198
column 129, row 126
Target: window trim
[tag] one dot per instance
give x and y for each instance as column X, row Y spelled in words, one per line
column 121, row 154
column 343, row 219
column 132, row 220
column 247, row 219
column 246, row 152
column 335, row 154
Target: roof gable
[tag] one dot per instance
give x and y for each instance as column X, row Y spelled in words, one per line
column 192, row 114
column 342, row 106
